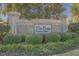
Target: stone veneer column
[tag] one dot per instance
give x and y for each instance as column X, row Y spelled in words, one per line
column 64, row 25
column 13, row 17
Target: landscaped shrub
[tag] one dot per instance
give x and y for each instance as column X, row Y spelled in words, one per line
column 66, row 36
column 10, row 39
column 40, row 49
column 74, row 27
column 34, row 39
column 53, row 37
column 55, row 48
column 4, row 29
column 61, row 47
column 38, row 39
column 23, row 38
column 75, row 41
column 75, row 35
column 33, row 43
column 25, row 49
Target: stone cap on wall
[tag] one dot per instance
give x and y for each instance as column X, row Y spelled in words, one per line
column 14, row 13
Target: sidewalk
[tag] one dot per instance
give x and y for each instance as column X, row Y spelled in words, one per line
column 70, row 53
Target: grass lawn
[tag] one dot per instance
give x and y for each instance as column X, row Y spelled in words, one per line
column 74, row 52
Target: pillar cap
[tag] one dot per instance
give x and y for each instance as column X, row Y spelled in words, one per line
column 14, row 13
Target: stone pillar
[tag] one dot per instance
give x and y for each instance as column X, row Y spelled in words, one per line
column 64, row 25
column 13, row 17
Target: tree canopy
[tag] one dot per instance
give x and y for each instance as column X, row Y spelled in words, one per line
column 37, row 10
column 4, row 29
column 74, row 9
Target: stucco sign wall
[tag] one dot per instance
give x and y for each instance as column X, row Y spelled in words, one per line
column 35, row 26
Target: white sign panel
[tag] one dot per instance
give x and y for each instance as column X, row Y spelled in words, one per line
column 42, row 29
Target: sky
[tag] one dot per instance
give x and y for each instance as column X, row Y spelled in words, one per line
column 66, row 5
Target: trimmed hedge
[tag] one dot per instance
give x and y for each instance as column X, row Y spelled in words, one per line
column 33, row 44
column 74, row 35
column 34, row 39
column 38, row 39
column 66, row 36
column 40, row 49
column 10, row 39
column 53, row 37
column 74, row 27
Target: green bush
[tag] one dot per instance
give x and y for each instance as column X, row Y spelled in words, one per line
column 10, row 39
column 74, row 27
column 75, row 41
column 55, row 48
column 33, row 43
column 15, row 48
column 61, row 47
column 23, row 38
column 75, row 35
column 25, row 49
column 34, row 39
column 66, row 36
column 40, row 49
column 53, row 37
column 4, row 29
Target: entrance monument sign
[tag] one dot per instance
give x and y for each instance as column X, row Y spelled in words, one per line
column 21, row 26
